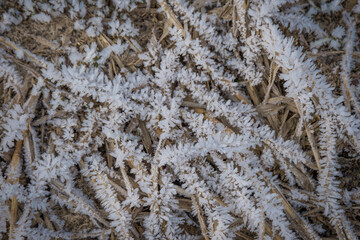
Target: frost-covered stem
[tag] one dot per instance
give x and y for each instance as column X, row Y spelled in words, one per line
column 328, row 190
column 303, row 227
column 119, row 216
column 236, row 195
column 155, row 207
column 198, row 20
column 240, row 116
column 231, row 184
column 277, row 221
column 7, row 71
column 128, row 186
column 79, row 201
column 170, row 14
column 240, row 13
column 304, row 82
column 346, row 65
column 161, row 221
column 218, row 216
column 204, row 230
column 222, row 44
column 23, row 224
column 250, row 50
column 202, row 56
column 154, row 165
column 28, row 54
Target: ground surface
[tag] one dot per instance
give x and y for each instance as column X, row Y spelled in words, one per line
column 167, row 127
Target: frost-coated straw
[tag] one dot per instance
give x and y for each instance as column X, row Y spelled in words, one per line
column 176, row 119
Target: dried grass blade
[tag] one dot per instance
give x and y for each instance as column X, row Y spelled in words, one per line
column 12, row 179
column 200, row 217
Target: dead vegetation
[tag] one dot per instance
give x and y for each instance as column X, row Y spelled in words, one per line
column 80, row 212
